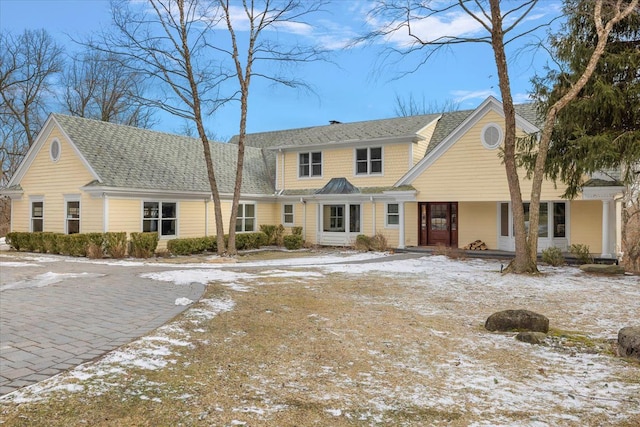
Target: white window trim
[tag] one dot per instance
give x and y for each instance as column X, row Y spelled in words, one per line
column 293, row 214
column 508, row 242
column 386, row 215
column 310, row 176
column 255, row 217
column 160, row 202
column 369, row 173
column 55, row 141
column 486, row 144
column 35, row 199
column 67, row 199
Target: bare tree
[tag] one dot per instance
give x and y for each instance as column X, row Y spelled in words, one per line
column 502, row 27
column 28, row 64
column 411, row 106
column 175, row 43
column 262, row 16
column 99, row 86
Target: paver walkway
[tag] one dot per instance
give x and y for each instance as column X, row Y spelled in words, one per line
column 56, row 313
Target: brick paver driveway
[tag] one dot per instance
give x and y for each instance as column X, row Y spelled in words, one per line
column 59, row 312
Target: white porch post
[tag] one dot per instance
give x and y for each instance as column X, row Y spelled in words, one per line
column 401, row 243
column 606, row 247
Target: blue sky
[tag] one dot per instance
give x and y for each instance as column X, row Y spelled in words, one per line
column 355, row 86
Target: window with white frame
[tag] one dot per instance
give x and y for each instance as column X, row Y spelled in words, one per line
column 333, row 218
column 310, row 164
column 551, row 223
column 73, row 217
column 393, row 215
column 369, row 161
column 37, row 215
column 160, row 217
column 287, row 214
column 246, row 219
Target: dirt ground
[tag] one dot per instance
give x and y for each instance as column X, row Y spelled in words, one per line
column 346, row 345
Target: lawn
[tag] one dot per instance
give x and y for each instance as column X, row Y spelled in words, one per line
column 336, row 340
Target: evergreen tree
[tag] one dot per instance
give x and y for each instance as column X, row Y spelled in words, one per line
column 600, row 129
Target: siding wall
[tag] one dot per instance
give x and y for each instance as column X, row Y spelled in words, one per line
column 421, row 146
column 586, row 224
column 478, row 221
column 470, row 172
column 339, row 162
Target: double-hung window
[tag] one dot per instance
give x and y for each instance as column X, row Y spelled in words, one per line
column 310, row 164
column 160, row 217
column 287, row 214
column 369, row 161
column 246, row 219
column 393, row 215
column 73, row 216
column 37, row 215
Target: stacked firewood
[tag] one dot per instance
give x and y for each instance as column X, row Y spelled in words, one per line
column 478, row 245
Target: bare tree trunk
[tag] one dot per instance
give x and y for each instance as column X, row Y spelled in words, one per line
column 522, row 262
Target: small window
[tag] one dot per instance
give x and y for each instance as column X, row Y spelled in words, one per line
column 491, row 136
column 287, row 214
column 354, row 218
column 369, row 161
column 310, row 164
column 160, row 217
column 37, row 216
column 559, row 219
column 246, row 219
column 54, row 150
column 504, row 219
column 73, row 217
column 393, row 215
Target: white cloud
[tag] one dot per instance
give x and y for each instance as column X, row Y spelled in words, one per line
column 460, row 96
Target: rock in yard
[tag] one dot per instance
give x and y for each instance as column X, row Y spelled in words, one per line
column 629, row 342
column 517, row 320
column 602, row 268
column 531, row 337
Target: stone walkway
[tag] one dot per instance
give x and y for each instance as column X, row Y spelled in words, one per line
column 57, row 313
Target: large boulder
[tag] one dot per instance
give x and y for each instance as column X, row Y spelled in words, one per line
column 629, row 342
column 602, row 268
column 517, row 320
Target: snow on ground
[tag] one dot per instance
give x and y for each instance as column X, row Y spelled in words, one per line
column 596, row 305
column 46, row 279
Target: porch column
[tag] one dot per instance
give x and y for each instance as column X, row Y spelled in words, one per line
column 401, row 244
column 606, row 248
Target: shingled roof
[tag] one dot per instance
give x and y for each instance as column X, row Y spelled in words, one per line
column 129, row 157
column 340, row 132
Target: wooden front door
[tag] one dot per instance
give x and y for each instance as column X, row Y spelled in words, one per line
column 438, row 223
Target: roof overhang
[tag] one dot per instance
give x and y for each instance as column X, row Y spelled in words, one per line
column 146, row 193
column 602, row 192
column 401, row 139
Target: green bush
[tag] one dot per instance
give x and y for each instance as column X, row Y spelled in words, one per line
column 192, row 245
column 274, row 234
column 250, row 240
column 374, row 243
column 581, row 252
column 115, row 244
column 73, row 244
column 143, row 245
column 16, row 240
column 553, row 256
column 363, row 242
column 296, row 231
column 50, row 242
column 292, row 241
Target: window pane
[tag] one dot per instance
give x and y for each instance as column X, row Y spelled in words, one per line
column 317, row 170
column 73, row 210
column 168, row 210
column 376, row 166
column 361, row 167
column 392, row 208
column 37, row 209
column 376, row 153
column 504, row 219
column 393, row 217
column 316, row 158
column 559, row 220
column 37, row 225
column 288, row 209
column 543, row 224
column 248, row 224
column 249, row 211
column 168, row 227
column 354, row 218
column 239, row 224
column 149, row 225
column 73, row 226
column 333, row 218
column 304, row 158
column 151, row 210
column 240, row 213
column 361, row 154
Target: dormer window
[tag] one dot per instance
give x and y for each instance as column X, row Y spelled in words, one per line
column 369, row 161
column 310, row 164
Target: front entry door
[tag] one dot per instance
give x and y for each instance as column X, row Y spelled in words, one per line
column 438, row 223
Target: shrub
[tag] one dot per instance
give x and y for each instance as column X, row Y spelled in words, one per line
column 553, row 256
column 94, row 251
column 581, row 252
column 115, row 244
column 250, row 240
column 296, row 231
column 143, row 245
column 274, row 234
column 363, row 243
column 191, row 245
column 50, row 242
column 292, row 241
column 73, row 244
column 16, row 240
column 379, row 242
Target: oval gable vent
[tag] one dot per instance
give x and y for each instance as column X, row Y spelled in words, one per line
column 55, row 150
column 491, row 136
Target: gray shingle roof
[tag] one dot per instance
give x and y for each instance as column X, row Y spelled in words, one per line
column 129, row 157
column 357, row 131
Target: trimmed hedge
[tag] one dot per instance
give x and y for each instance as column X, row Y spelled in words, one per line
column 192, row 245
column 143, row 245
column 113, row 244
column 293, row 241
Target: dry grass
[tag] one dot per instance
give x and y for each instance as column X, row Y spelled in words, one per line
column 293, row 352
